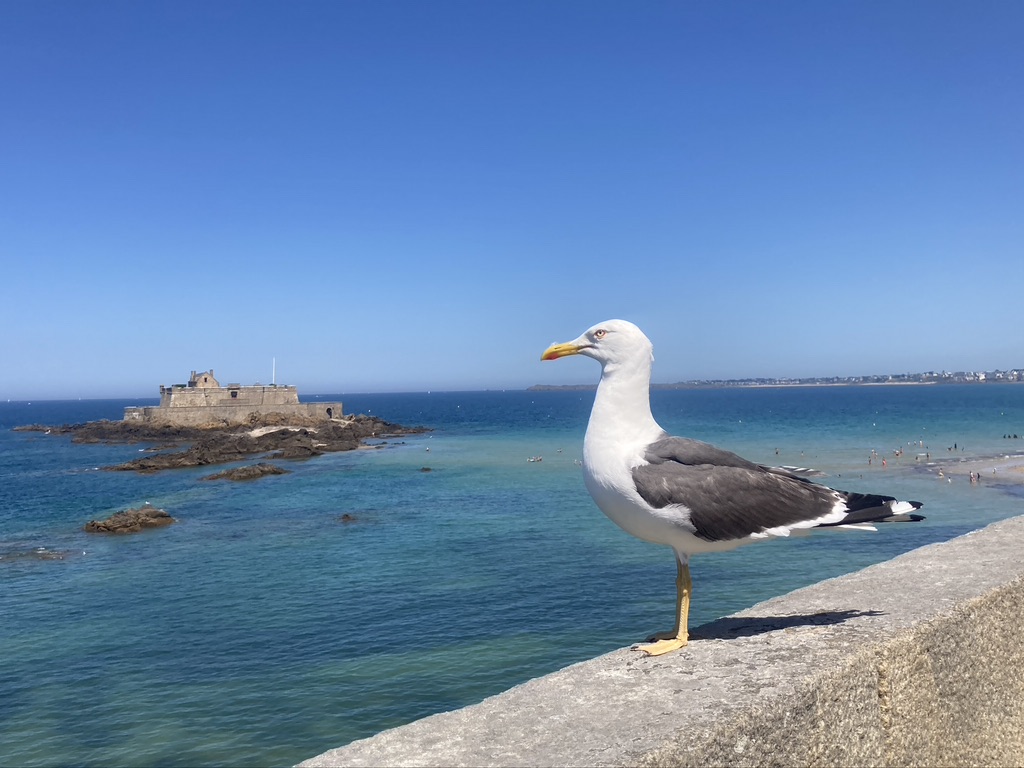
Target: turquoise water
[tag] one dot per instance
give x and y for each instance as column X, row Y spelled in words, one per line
column 261, row 630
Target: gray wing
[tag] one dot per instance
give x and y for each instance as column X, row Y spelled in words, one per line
column 683, row 450
column 728, row 496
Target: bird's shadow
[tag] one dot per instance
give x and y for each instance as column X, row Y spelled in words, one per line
column 733, row 627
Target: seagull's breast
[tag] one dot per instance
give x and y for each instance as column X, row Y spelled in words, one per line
column 619, row 433
column 607, row 473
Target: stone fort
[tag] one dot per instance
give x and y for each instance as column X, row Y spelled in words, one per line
column 204, row 402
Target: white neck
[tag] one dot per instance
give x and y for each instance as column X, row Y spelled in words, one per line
column 622, row 406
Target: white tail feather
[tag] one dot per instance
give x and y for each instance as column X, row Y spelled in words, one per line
column 901, row 507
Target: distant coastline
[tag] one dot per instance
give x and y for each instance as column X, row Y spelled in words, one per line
column 728, row 385
column 1013, row 376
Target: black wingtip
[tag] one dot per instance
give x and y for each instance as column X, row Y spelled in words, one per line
column 902, row 518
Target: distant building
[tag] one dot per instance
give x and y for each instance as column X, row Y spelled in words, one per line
column 203, row 401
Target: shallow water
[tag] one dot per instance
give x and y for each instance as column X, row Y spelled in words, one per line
column 261, row 629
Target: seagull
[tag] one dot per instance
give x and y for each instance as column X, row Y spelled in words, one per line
column 686, row 494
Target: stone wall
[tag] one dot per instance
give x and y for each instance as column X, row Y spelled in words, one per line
column 915, row 661
column 257, row 396
column 232, row 414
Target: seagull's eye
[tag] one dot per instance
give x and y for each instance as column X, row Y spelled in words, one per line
column 600, row 333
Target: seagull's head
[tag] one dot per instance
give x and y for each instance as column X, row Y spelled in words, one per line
column 611, row 343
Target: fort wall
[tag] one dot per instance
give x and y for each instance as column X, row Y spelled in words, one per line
column 233, row 415
column 231, row 395
column 204, row 402
column 914, row 661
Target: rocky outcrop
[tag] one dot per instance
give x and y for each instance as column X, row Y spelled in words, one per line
column 248, row 472
column 215, row 444
column 131, row 521
column 15, row 554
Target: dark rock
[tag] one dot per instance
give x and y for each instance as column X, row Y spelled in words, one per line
column 221, row 444
column 426, row 469
column 248, row 472
column 131, row 521
column 13, row 554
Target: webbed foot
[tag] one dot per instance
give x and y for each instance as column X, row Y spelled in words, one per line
column 664, row 642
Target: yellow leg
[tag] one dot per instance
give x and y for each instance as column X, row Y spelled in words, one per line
column 670, row 641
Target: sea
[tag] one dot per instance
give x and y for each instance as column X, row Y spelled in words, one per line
column 292, row 614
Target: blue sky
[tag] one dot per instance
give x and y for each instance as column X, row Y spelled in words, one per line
column 402, row 196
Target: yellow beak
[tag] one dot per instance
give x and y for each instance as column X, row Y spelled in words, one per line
column 556, row 351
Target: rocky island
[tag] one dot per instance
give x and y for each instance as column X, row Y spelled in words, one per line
column 223, row 444
column 131, row 521
column 226, row 424
column 247, row 472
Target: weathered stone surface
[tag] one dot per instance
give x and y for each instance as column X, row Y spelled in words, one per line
column 248, row 472
column 218, row 444
column 915, row 661
column 131, row 521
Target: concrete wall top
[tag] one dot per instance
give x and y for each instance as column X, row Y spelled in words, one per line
column 914, row 661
